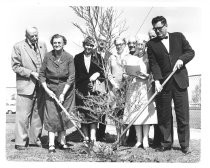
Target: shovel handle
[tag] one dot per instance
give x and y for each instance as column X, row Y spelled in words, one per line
column 69, row 116
column 149, row 101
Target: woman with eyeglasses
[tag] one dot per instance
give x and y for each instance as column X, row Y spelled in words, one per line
column 138, row 93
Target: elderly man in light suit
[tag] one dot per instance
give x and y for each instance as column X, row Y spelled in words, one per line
column 26, row 60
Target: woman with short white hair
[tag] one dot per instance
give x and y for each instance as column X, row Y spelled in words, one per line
column 138, row 94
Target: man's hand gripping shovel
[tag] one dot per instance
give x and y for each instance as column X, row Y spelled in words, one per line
column 115, row 144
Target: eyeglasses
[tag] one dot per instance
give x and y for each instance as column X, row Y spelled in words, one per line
column 158, row 28
column 89, row 45
column 119, row 44
column 129, row 43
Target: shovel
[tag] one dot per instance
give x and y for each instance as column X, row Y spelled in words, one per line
column 114, row 146
column 69, row 116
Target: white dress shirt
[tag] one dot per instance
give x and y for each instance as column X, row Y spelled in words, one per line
column 166, row 42
column 87, row 62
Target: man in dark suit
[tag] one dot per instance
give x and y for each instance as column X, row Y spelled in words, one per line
column 169, row 52
column 26, row 60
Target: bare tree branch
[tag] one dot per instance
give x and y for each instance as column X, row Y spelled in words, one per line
column 76, row 25
column 100, row 22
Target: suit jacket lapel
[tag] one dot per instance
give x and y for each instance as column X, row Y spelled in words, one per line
column 94, row 62
column 91, row 64
column 83, row 62
column 171, row 49
column 53, row 59
column 167, row 53
column 31, row 52
column 63, row 57
column 170, row 42
column 164, row 47
column 41, row 50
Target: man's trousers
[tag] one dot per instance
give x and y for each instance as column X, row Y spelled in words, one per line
column 165, row 119
column 29, row 117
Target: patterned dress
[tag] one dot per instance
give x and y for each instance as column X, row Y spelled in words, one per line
column 138, row 93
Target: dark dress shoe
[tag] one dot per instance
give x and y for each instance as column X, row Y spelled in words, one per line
column 162, row 149
column 36, row 145
column 51, row 149
column 156, row 145
column 63, row 146
column 19, row 147
column 186, row 150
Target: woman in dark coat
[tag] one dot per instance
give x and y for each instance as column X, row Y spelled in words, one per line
column 88, row 69
column 57, row 76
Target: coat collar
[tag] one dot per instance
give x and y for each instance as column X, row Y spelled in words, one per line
column 30, row 51
column 158, row 41
column 93, row 61
column 62, row 59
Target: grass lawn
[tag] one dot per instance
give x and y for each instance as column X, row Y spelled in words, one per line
column 79, row 152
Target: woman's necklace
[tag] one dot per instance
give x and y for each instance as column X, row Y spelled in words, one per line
column 58, row 56
column 58, row 59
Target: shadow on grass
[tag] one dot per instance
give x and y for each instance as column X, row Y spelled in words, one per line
column 109, row 138
column 76, row 137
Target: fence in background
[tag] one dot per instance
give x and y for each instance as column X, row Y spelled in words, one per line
column 194, row 92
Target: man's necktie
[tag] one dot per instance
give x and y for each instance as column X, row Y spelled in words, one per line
column 34, row 47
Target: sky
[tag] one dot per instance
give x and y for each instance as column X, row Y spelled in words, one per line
column 51, row 19
column 184, row 16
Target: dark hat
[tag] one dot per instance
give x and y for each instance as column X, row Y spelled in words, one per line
column 89, row 40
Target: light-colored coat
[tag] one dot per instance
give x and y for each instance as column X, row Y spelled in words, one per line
column 23, row 63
